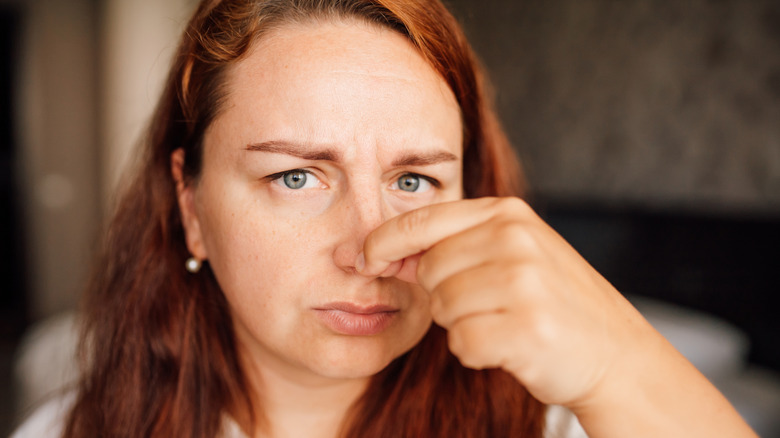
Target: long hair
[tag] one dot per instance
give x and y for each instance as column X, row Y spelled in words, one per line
column 159, row 352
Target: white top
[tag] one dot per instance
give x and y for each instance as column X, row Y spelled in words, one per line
column 49, row 419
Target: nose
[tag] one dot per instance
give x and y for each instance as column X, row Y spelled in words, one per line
column 360, row 213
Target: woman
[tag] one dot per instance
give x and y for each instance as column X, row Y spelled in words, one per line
column 321, row 170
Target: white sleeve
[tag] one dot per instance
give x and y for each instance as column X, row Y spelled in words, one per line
column 47, row 421
column 561, row 423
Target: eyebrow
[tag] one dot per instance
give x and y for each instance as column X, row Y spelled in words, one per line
column 295, row 150
column 303, row 151
column 424, row 159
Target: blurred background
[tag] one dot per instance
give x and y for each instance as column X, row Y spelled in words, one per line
column 649, row 132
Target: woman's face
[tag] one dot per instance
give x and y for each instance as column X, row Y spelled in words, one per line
column 328, row 130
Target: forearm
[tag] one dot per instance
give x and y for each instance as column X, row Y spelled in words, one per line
column 656, row 392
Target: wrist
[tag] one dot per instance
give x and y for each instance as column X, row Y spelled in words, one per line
column 651, row 390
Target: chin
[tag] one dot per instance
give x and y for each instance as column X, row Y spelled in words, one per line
column 360, row 358
column 351, row 371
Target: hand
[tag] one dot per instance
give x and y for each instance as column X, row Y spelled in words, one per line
column 511, row 293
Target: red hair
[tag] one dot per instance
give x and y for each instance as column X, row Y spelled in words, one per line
column 159, row 349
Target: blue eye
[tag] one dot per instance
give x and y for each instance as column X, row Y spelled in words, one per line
column 295, row 179
column 409, row 183
column 413, row 183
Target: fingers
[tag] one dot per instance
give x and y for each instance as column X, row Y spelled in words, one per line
column 418, row 230
column 501, row 316
column 489, row 314
column 480, row 290
column 497, row 240
column 474, row 341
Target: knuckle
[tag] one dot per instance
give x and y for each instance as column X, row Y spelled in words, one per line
column 442, row 310
column 412, row 221
column 516, row 278
column 453, row 341
column 469, row 346
column 458, row 347
column 512, row 207
column 511, row 231
column 543, row 328
column 517, row 235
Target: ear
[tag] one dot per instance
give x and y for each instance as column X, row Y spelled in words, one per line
column 185, row 194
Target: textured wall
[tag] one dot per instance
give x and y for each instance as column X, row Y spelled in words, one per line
column 659, row 103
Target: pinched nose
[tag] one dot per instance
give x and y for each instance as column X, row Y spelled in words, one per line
column 358, row 215
column 348, row 252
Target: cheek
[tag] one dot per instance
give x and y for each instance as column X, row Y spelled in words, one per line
column 255, row 251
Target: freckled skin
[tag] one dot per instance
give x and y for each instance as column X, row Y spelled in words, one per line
column 278, row 253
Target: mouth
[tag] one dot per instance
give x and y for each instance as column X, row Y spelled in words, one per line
column 355, row 320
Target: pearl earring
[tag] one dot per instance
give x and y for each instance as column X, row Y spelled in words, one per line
column 193, row 265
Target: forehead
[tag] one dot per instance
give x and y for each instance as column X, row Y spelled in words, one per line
column 317, row 48
column 327, row 79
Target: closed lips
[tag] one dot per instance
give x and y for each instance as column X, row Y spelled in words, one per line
column 351, row 319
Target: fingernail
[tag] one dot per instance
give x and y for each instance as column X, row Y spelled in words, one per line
column 360, row 263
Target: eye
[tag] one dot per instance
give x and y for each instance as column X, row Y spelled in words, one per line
column 295, row 179
column 413, row 183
